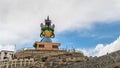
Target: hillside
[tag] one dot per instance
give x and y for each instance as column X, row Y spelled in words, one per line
column 68, row 60
column 111, row 60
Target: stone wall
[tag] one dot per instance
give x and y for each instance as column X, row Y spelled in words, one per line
column 16, row 63
column 39, row 53
column 46, row 61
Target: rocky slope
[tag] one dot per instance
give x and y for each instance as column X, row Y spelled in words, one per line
column 77, row 60
column 111, row 60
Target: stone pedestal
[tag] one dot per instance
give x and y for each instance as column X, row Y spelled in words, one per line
column 46, row 46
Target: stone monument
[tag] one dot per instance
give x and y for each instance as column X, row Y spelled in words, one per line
column 44, row 47
column 47, row 32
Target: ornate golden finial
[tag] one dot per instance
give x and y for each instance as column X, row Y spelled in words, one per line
column 47, row 30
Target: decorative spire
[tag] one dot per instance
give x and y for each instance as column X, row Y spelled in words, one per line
column 48, row 22
column 47, row 30
column 47, row 17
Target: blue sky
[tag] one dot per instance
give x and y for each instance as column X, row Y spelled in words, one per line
column 89, row 38
column 85, row 38
column 90, row 26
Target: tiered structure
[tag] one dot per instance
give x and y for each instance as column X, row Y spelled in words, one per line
column 47, row 32
column 45, row 47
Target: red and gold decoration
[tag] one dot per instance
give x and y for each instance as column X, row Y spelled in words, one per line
column 47, row 30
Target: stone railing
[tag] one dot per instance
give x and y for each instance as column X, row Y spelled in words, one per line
column 16, row 63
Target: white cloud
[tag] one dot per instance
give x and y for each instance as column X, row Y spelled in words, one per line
column 7, row 47
column 102, row 49
column 20, row 19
